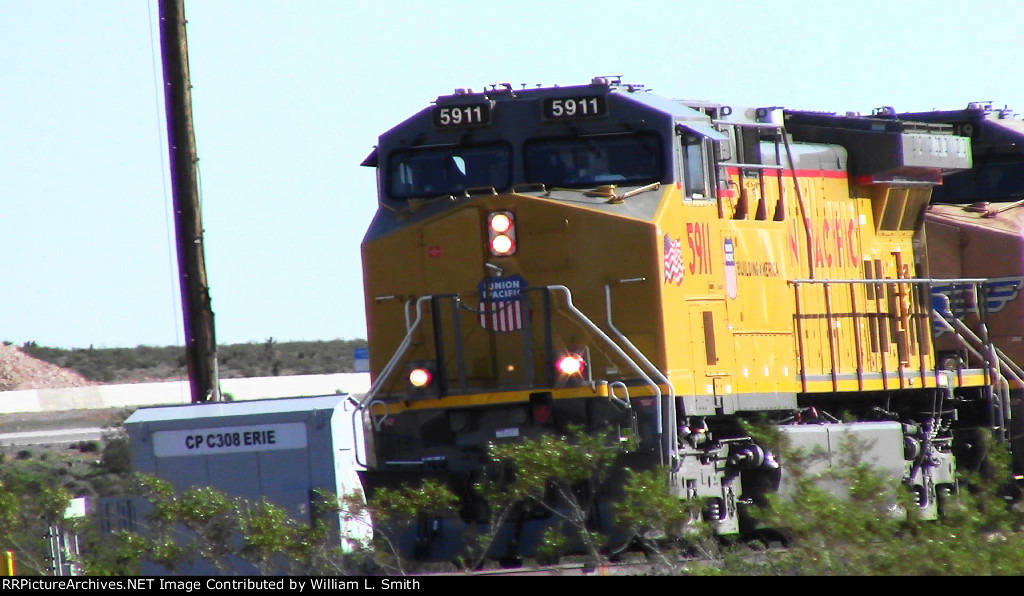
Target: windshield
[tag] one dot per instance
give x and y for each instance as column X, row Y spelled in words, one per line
column 594, row 160
column 434, row 171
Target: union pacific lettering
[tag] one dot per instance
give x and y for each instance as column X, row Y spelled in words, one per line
column 834, row 242
column 503, row 289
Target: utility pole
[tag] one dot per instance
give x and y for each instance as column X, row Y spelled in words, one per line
column 200, row 343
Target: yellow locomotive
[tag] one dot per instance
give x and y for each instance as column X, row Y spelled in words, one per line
column 601, row 256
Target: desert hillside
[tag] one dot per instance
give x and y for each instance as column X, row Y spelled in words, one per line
column 20, row 371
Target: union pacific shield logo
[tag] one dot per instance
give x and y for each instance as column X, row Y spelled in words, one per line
column 730, row 268
column 501, row 302
column 1000, row 291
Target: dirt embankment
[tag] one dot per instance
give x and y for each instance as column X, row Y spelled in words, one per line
column 19, row 371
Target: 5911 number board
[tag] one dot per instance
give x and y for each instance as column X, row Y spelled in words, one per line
column 559, row 108
column 459, row 116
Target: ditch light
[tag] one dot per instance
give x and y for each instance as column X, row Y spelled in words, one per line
column 420, row 379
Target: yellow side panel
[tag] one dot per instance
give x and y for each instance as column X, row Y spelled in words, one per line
column 448, row 245
column 690, row 269
column 712, row 347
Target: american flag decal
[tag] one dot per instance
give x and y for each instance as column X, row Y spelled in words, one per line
column 501, row 303
column 501, row 316
column 673, row 260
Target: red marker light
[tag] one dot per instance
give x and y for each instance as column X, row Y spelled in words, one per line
column 541, row 414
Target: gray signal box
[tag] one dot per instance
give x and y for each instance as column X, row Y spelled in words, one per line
column 281, row 450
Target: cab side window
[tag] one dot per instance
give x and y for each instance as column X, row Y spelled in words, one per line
column 695, row 175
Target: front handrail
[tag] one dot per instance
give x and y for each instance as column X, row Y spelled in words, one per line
column 582, row 318
column 668, row 431
column 403, row 347
column 370, row 399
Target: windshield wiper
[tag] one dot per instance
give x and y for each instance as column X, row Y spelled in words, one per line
column 608, row 191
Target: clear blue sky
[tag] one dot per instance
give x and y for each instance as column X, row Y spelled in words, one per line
column 290, row 96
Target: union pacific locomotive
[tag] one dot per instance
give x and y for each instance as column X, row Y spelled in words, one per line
column 599, row 256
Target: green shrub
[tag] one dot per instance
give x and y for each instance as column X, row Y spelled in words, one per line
column 117, row 456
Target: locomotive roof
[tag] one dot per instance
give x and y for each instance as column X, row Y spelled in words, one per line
column 882, row 120
column 997, row 139
column 986, row 125
column 633, row 103
column 883, row 146
column 637, row 93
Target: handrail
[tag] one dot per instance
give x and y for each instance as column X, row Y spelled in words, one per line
column 1001, row 367
column 670, row 420
column 370, row 398
column 367, row 402
column 357, row 432
column 997, row 367
column 611, row 344
column 395, row 358
column 1007, row 367
column 1018, row 372
column 800, row 201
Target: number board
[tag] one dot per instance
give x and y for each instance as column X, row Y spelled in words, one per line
column 584, row 106
column 460, row 116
